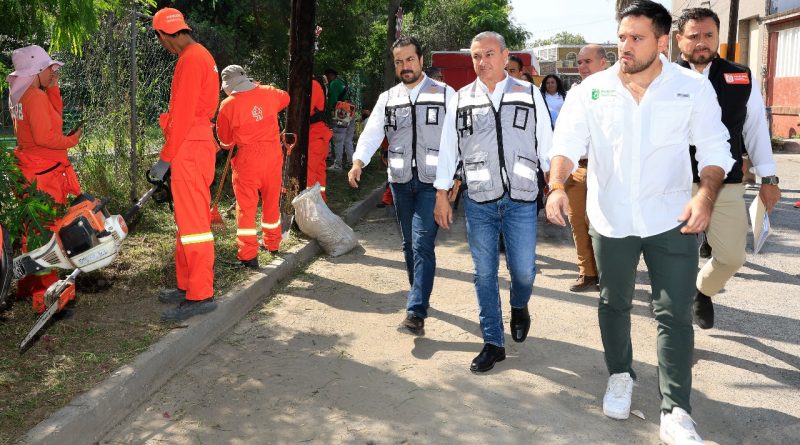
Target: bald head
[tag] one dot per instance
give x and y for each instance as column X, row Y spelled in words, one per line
column 591, row 59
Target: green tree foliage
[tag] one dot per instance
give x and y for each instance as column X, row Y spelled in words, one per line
column 449, row 25
column 561, row 38
column 59, row 24
column 35, row 211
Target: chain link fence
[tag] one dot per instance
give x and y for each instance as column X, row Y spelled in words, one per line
column 118, row 86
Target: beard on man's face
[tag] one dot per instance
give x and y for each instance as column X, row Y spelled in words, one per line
column 409, row 76
column 700, row 57
column 637, row 65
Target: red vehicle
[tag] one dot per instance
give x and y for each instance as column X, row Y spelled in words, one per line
column 457, row 67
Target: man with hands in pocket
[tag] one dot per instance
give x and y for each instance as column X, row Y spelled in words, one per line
column 635, row 121
column 410, row 115
column 497, row 127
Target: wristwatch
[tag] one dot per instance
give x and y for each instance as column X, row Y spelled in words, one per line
column 772, row 180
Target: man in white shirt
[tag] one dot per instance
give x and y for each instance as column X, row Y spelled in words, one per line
column 499, row 128
column 744, row 115
column 410, row 115
column 635, row 121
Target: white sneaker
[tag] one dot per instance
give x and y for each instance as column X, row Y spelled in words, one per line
column 617, row 401
column 677, row 428
column 335, row 166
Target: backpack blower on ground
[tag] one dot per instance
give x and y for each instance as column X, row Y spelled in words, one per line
column 87, row 238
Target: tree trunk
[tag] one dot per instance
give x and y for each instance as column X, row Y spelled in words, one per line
column 301, row 68
column 391, row 25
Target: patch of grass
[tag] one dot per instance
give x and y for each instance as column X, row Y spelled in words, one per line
column 117, row 316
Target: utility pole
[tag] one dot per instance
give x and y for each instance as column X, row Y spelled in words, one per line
column 301, row 69
column 733, row 26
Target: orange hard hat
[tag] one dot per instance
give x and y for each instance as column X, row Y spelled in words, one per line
column 169, row 21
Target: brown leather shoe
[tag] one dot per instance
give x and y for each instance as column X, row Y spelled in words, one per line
column 585, row 283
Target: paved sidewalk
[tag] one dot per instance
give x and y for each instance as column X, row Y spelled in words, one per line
column 322, row 362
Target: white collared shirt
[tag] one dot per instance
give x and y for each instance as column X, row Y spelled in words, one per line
column 640, row 175
column 370, row 139
column 755, row 132
column 448, row 148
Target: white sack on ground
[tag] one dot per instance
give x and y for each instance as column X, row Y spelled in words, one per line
column 316, row 220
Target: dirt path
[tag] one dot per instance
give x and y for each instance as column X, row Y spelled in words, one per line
column 322, row 361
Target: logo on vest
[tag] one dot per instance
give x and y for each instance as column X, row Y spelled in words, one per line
column 258, row 113
column 736, row 78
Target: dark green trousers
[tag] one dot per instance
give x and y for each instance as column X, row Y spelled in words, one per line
column 671, row 259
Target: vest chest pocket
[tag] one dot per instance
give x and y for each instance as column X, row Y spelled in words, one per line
column 476, row 169
column 521, row 117
column 482, row 119
column 397, row 117
column 431, row 115
column 524, row 174
column 431, row 161
column 396, row 162
column 464, row 122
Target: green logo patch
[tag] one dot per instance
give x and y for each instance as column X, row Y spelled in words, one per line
column 597, row 94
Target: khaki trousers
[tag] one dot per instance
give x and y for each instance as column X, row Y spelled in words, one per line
column 727, row 235
column 575, row 188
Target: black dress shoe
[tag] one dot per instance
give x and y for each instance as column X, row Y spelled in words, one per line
column 703, row 311
column 490, row 354
column 413, row 324
column 520, row 324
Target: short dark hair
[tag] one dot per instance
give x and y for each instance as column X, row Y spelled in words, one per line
column 433, row 71
column 175, row 34
column 662, row 19
column 405, row 41
column 518, row 59
column 329, row 71
column 696, row 14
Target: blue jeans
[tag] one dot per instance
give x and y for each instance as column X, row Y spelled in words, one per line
column 413, row 203
column 517, row 222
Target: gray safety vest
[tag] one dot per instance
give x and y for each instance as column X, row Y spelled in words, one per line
column 414, row 131
column 498, row 147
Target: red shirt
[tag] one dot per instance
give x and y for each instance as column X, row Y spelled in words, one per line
column 193, row 99
column 38, row 125
column 251, row 116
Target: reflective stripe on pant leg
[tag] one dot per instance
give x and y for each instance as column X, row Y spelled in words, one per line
column 270, row 199
column 192, row 173
column 246, row 191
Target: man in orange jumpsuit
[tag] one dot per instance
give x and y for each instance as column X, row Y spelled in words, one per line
column 36, row 108
column 189, row 153
column 319, row 137
column 248, row 118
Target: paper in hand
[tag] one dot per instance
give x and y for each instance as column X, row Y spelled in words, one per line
column 759, row 220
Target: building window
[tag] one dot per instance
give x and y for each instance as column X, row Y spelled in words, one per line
column 787, row 63
column 571, row 59
column 612, row 58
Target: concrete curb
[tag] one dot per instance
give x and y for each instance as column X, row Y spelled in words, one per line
column 91, row 415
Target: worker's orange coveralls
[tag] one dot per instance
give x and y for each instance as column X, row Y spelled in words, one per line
column 249, row 120
column 319, row 137
column 190, row 149
column 42, row 155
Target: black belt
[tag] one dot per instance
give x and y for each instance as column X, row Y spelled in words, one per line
column 48, row 170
